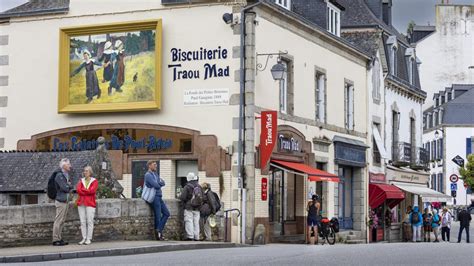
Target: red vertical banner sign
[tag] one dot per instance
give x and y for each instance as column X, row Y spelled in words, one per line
column 268, row 134
column 264, row 188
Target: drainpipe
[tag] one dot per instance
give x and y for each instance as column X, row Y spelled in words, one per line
column 240, row 149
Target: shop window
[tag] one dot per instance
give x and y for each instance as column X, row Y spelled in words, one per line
column 15, row 199
column 182, row 170
column 139, row 169
column 290, row 197
column 31, row 199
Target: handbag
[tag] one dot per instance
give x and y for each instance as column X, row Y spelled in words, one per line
column 148, row 193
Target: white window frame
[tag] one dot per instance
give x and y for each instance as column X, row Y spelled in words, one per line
column 320, row 96
column 284, row 3
column 283, row 102
column 333, row 19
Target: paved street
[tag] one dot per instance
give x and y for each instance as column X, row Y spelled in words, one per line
column 275, row 254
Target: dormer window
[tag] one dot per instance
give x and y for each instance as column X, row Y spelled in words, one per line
column 284, row 3
column 437, row 102
column 448, row 97
column 442, row 99
column 333, row 16
column 392, row 46
column 410, row 55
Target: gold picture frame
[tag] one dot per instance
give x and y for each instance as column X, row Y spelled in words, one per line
column 80, row 90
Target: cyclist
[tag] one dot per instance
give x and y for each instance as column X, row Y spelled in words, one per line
column 313, row 209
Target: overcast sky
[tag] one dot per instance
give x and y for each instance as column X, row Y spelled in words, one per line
column 420, row 11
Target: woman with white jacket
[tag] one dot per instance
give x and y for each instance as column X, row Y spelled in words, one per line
column 446, row 219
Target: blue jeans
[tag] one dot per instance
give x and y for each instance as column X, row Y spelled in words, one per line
column 161, row 213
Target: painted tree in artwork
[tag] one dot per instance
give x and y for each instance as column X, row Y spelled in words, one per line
column 467, row 172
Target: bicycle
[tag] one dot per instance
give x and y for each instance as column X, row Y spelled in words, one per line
column 328, row 230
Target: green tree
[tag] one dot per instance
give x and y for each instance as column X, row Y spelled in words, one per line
column 467, row 172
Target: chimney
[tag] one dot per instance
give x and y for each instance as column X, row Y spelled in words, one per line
column 387, row 11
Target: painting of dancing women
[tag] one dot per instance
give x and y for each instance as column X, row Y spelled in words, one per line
column 113, row 69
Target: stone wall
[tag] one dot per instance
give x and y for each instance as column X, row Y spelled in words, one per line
column 116, row 219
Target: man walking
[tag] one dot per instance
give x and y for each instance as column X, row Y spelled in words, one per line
column 63, row 188
column 464, row 218
column 153, row 180
column 192, row 198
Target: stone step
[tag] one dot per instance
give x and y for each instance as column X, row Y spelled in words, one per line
column 353, row 237
column 353, row 242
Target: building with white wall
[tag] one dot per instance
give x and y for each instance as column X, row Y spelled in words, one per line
column 321, row 104
column 446, row 50
column 448, row 133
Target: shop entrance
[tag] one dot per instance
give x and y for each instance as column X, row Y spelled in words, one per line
column 282, row 203
column 345, row 197
column 139, row 170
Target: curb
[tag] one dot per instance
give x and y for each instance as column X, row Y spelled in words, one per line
column 113, row 252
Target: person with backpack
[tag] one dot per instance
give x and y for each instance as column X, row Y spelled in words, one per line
column 407, row 232
column 153, row 180
column 427, row 220
column 464, row 218
column 435, row 223
column 210, row 206
column 416, row 221
column 192, row 199
column 59, row 188
column 446, row 219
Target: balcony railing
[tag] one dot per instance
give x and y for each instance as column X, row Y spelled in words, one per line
column 422, row 159
column 402, row 154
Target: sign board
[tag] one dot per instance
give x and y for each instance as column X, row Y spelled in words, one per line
column 264, row 188
column 268, row 135
column 206, row 97
column 454, row 178
column 458, row 160
column 376, row 178
column 454, row 186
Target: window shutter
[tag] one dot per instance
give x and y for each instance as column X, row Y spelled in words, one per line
column 440, row 148
column 351, row 105
column 318, row 88
column 468, row 146
column 346, row 120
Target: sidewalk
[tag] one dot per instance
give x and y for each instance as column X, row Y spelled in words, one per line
column 100, row 249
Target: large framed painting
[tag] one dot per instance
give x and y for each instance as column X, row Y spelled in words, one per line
column 110, row 67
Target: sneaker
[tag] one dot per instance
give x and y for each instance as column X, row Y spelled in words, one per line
column 88, row 242
column 64, row 243
column 57, row 243
column 82, row 241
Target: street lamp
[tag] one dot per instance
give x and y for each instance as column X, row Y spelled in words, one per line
column 278, row 71
column 437, row 134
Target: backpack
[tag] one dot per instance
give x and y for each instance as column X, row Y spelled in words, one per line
column 436, row 219
column 196, row 200
column 52, row 189
column 214, row 201
column 415, row 218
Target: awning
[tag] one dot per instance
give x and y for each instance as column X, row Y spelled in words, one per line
column 379, row 142
column 379, row 193
column 427, row 194
column 303, row 169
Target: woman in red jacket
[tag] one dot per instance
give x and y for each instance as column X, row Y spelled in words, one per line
column 86, row 189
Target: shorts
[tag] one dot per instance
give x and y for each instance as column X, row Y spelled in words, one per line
column 312, row 221
column 427, row 228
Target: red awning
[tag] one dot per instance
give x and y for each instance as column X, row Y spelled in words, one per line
column 378, row 193
column 313, row 173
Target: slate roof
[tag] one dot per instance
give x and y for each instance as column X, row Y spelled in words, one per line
column 366, row 40
column 30, row 171
column 420, row 32
column 460, row 111
column 37, row 7
column 359, row 15
column 312, row 24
